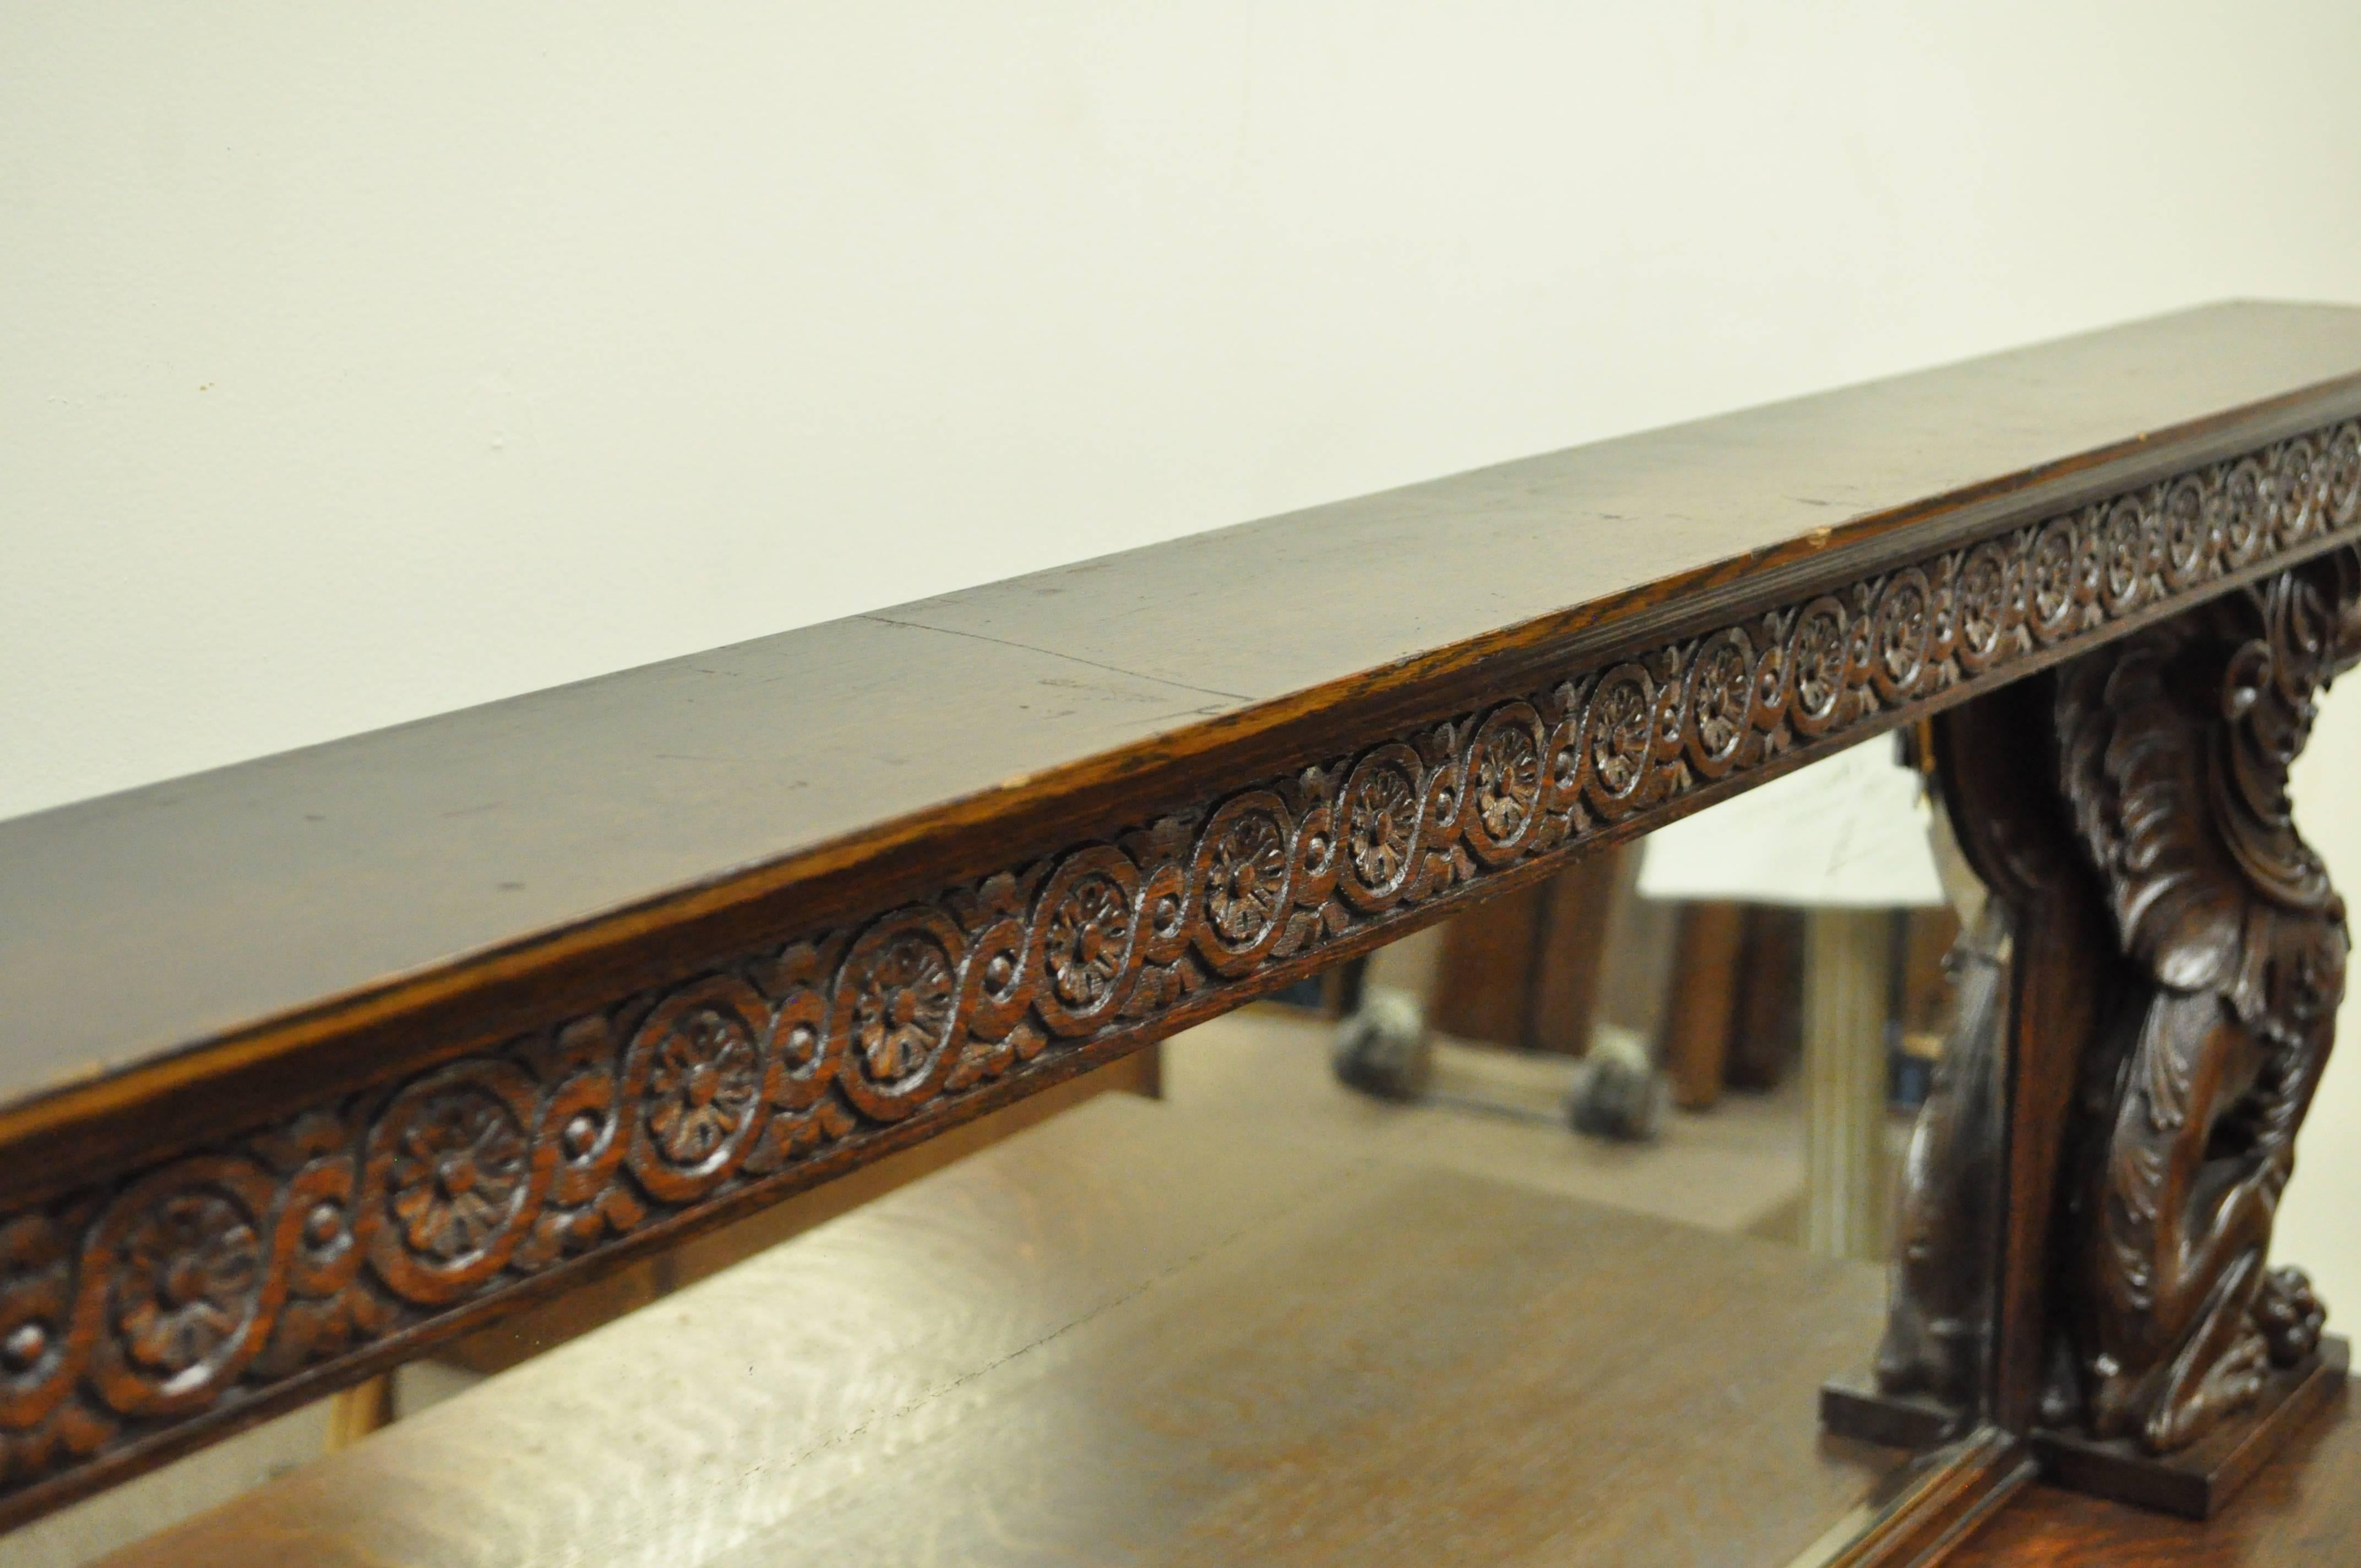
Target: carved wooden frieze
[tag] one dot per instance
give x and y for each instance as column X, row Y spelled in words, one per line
column 186, row 1293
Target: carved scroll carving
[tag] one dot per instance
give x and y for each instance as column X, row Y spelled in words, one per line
column 2175, row 750
column 187, row 1292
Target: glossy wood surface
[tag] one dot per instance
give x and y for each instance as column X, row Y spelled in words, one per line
column 147, row 923
column 1128, row 1337
column 917, row 872
column 2302, row 1511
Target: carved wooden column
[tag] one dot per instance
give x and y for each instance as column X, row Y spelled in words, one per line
column 2178, row 956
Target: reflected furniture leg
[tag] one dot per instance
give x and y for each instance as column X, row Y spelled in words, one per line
column 1702, row 1004
column 357, row 1411
column 1847, row 970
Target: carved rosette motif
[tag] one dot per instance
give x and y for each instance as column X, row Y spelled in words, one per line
column 190, row 1268
column 1504, row 779
column 184, row 1282
column 1818, row 658
column 198, row 1286
column 897, row 1003
column 1720, row 701
column 1382, row 809
column 1087, row 928
column 703, row 1071
column 1620, row 739
column 447, row 1185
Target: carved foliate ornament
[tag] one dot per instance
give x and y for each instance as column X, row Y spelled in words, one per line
column 2175, row 750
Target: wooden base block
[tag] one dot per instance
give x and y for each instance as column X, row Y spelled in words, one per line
column 2196, row 1482
column 1852, row 1404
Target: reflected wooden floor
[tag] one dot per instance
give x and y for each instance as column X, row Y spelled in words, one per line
column 1737, row 1167
column 1261, row 1073
column 1140, row 1336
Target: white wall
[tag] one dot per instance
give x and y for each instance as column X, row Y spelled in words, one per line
column 360, row 362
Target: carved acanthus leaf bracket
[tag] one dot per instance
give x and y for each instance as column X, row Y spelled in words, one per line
column 2175, row 747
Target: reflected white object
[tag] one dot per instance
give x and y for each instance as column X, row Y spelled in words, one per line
column 1383, row 1048
column 1849, row 832
column 1617, row 1093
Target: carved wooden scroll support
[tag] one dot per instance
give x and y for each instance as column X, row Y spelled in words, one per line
column 2209, row 1007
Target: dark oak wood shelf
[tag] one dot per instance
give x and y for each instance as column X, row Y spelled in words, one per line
column 319, row 1062
column 793, row 776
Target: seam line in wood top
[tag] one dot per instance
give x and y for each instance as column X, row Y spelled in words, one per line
column 1257, row 736
column 1054, row 653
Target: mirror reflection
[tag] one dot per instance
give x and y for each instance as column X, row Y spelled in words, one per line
column 1730, row 1023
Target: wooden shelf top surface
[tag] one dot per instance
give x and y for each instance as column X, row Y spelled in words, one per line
column 145, row 926
column 1212, row 1350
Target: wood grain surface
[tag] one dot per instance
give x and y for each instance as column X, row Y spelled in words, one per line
column 317, row 1062
column 1115, row 1339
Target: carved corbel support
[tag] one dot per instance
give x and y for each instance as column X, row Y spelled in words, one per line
column 2174, row 752
column 2178, row 960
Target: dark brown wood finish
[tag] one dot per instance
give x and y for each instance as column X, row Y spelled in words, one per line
column 1702, row 1002
column 520, row 1336
column 2199, row 1480
column 2178, row 958
column 316, row 1061
column 797, row 777
column 1992, row 760
column 1923, row 1511
column 2045, row 942
column 2176, row 745
column 2302, row 1511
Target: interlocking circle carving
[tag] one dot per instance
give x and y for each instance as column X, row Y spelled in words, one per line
column 194, row 1289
